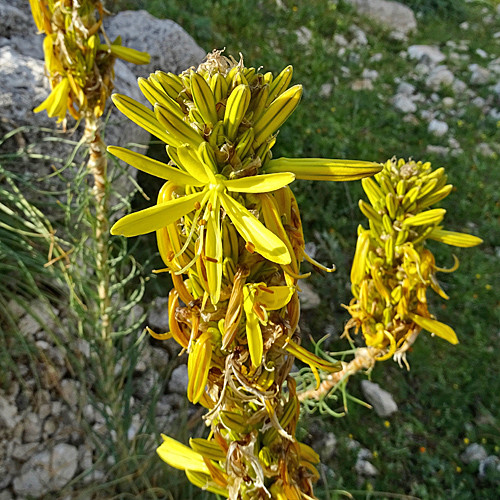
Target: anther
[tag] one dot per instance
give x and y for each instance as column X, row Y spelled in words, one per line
column 197, row 205
column 250, row 247
column 202, row 222
column 210, row 259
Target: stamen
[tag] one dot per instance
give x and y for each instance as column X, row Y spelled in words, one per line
column 250, row 247
column 171, row 256
column 202, row 222
column 210, row 259
column 257, row 307
column 189, row 265
column 265, row 289
column 209, row 206
column 197, row 205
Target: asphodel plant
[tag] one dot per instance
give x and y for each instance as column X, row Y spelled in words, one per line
column 79, row 61
column 393, row 269
column 229, row 231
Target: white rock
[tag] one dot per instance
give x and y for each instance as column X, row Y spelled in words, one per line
column 308, row 298
column 170, row 47
column 478, row 101
column 370, row 74
column 480, row 75
column 496, row 89
column 482, row 53
column 496, row 35
column 448, row 102
column 458, row 86
column 494, row 114
column 329, row 447
column 473, row 452
column 326, row 90
column 178, row 382
column 47, row 471
column 22, row 452
column 392, row 15
column 489, row 467
column 363, row 84
column 359, row 36
column 365, row 468
column 340, row 40
column 376, row 57
column 382, row 401
column 437, row 128
column 144, row 385
column 404, row 104
column 69, row 391
column 15, row 309
column 439, row 76
column 32, row 428
column 484, row 149
column 158, row 316
column 437, row 150
column 426, row 54
column 6, row 495
column 304, row 35
column 406, row 88
column 8, row 413
column 464, row 26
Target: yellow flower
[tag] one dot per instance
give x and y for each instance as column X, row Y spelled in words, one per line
column 257, row 300
column 211, row 191
column 56, row 103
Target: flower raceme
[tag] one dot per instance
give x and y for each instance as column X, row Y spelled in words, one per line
column 80, row 67
column 229, row 231
column 392, row 268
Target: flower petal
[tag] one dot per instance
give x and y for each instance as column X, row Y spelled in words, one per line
column 260, row 183
column 144, row 117
column 254, row 333
column 213, row 250
column 251, row 229
column 156, row 217
column 154, row 167
column 180, row 456
column 455, row 239
column 320, row 169
column 436, row 327
column 190, row 161
column 276, row 298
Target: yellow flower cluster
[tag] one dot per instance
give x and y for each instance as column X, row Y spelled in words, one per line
column 80, row 67
column 229, row 231
column 392, row 267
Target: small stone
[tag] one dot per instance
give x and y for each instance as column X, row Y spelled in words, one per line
column 473, row 452
column 158, row 316
column 304, row 35
column 22, row 452
column 365, row 468
column 382, row 401
column 159, row 359
column 308, row 298
column 364, row 84
column 404, row 104
column 437, row 128
column 326, row 90
column 6, row 495
column 359, row 36
column 340, row 40
column 458, row 86
column 489, row 468
column 464, row 26
column 448, row 102
column 426, row 53
column 478, row 101
column 437, row 150
column 178, row 382
column 370, row 74
column 56, row 408
column 8, row 413
column 47, row 471
column 69, row 391
column 32, row 428
column 496, row 35
column 482, row 53
column 480, row 75
column 144, row 385
column 376, row 57
column 329, row 447
column 144, row 361
column 406, row 89
column 494, row 114
column 438, row 77
column 15, row 309
column 45, row 410
column 484, row 149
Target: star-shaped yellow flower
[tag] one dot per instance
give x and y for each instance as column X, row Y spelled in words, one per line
column 212, row 191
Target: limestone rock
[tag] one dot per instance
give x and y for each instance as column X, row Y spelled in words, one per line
column 304, row 35
column 308, row 298
column 47, row 471
column 473, row 452
column 426, row 54
column 179, row 380
column 158, row 316
column 480, row 75
column 392, row 15
column 170, row 47
column 439, row 76
column 438, row 128
column 382, row 401
column 404, row 104
column 8, row 413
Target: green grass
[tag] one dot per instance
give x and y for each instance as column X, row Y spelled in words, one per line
column 450, row 394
